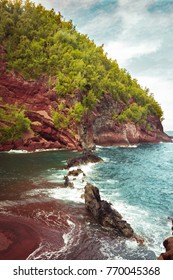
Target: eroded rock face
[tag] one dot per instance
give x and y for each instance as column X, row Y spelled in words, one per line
column 39, row 100
column 99, row 128
column 104, row 213
column 168, row 255
column 106, row 132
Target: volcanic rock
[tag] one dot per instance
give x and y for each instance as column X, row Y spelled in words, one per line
column 76, row 172
column 105, row 214
column 86, row 157
column 168, row 244
column 67, row 183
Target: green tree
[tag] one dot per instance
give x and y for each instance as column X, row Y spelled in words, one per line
column 40, row 42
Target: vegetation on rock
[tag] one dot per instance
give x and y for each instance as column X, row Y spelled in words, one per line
column 40, row 42
column 12, row 122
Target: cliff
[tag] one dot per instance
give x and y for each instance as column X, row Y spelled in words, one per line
column 99, row 127
column 38, row 100
column 95, row 128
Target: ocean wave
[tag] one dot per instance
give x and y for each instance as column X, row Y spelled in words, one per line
column 67, row 194
column 35, row 151
column 129, row 146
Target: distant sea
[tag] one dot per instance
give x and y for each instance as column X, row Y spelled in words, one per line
column 137, row 180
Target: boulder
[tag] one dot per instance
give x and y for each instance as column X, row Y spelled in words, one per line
column 168, row 244
column 86, row 157
column 105, row 214
column 67, row 183
column 76, row 172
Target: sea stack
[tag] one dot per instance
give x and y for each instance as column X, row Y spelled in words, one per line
column 106, row 215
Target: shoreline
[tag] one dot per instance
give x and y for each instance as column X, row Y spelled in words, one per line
column 45, row 208
column 13, row 151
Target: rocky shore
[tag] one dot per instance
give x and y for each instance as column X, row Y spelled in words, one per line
column 41, row 220
column 101, row 210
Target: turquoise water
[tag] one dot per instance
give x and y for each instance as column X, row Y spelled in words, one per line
column 137, row 180
column 139, row 183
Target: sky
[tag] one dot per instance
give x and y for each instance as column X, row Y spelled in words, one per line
column 137, row 33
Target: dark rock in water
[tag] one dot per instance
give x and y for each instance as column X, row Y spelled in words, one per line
column 86, row 157
column 76, row 172
column 104, row 214
column 168, row 255
column 67, row 183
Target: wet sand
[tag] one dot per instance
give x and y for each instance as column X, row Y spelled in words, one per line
column 17, row 239
column 31, row 226
column 47, row 230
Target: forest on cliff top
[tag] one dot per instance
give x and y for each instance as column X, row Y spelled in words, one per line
column 40, row 42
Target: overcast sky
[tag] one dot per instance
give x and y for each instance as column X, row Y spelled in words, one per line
column 137, row 33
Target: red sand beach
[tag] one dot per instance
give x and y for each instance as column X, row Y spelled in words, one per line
column 17, row 239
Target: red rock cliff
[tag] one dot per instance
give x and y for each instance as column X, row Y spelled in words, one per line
column 97, row 127
column 39, row 100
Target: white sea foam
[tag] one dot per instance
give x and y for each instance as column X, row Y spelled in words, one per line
column 35, row 151
column 105, row 159
column 129, row 146
column 17, row 152
column 66, row 194
column 88, row 168
column 47, row 150
column 69, row 238
column 144, row 224
column 109, row 247
column 36, row 255
column 99, row 147
column 45, row 249
column 69, row 235
column 131, row 244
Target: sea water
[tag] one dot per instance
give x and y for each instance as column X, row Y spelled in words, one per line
column 137, row 180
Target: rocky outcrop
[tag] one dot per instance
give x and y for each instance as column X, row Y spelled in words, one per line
column 100, row 128
column 106, row 132
column 67, row 183
column 127, row 134
column 76, row 172
column 106, row 215
column 86, row 157
column 168, row 255
column 43, row 135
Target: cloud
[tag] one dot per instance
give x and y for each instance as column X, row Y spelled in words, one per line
column 68, row 6
column 161, row 6
column 129, row 29
column 162, row 89
column 141, row 33
column 124, row 52
column 73, row 3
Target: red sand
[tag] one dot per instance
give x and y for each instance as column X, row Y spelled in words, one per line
column 17, row 239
